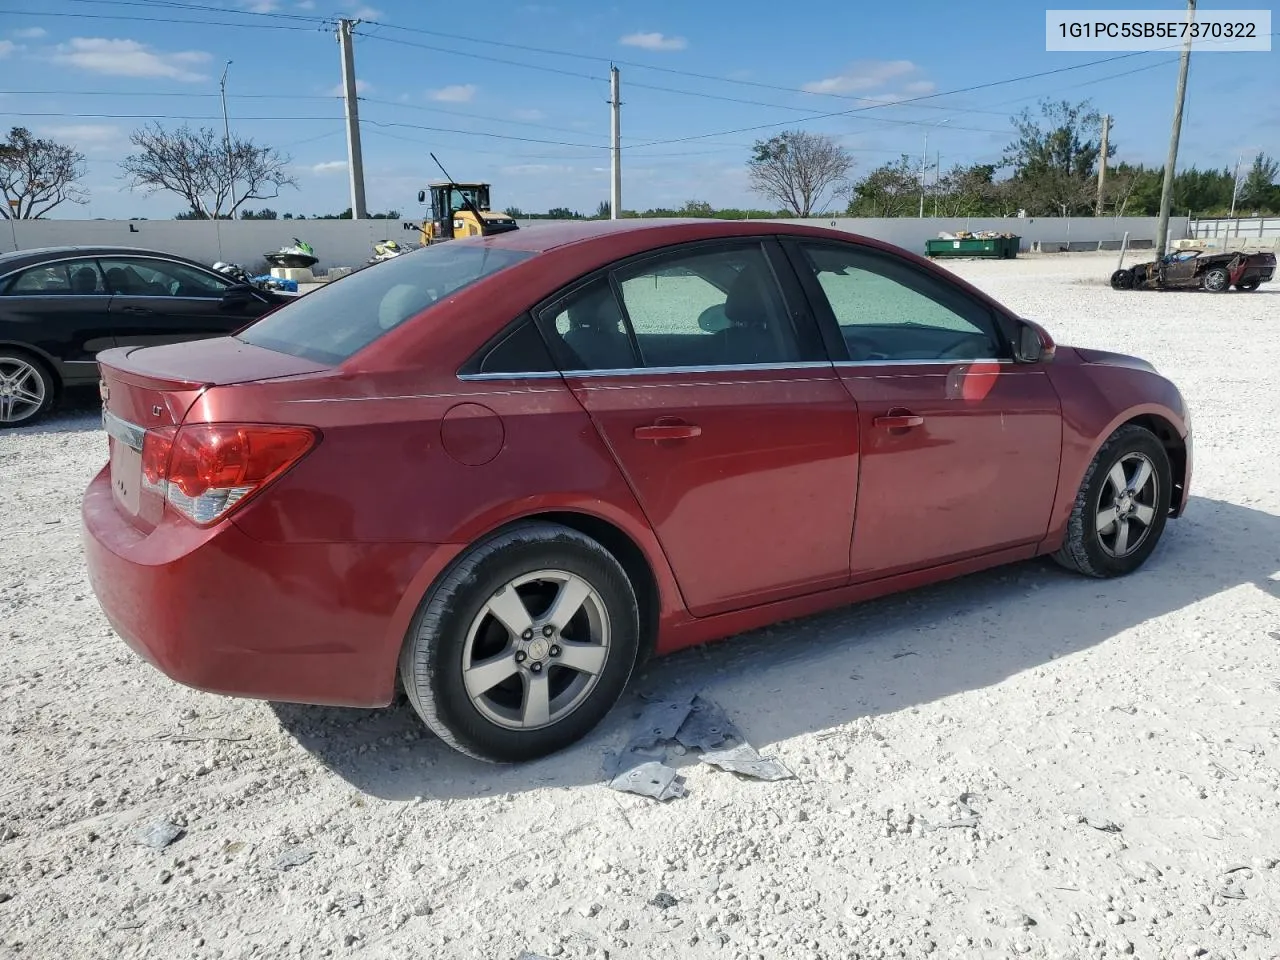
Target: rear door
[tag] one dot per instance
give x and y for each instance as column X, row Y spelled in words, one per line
column 160, row 301
column 960, row 445
column 709, row 383
column 61, row 309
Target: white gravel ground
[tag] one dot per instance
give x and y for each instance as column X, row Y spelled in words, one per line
column 1119, row 739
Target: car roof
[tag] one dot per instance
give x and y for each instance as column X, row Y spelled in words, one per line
column 539, row 238
column 34, row 255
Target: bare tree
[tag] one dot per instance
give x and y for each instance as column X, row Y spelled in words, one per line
column 214, row 177
column 796, row 169
column 37, row 175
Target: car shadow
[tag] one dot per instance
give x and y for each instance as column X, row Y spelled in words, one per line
column 77, row 409
column 819, row 672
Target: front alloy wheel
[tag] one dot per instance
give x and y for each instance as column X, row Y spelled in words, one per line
column 524, row 644
column 1121, row 506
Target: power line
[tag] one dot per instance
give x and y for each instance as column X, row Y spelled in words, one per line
column 107, row 16
column 208, row 8
column 150, row 93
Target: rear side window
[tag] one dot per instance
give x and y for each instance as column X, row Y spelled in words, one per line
column 80, row 277
column 330, row 324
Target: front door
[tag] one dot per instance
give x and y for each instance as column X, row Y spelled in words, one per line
column 162, row 301
column 715, row 396
column 960, row 445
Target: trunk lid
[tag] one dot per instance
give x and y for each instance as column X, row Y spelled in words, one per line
column 151, row 389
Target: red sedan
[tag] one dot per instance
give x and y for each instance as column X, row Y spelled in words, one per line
column 500, row 471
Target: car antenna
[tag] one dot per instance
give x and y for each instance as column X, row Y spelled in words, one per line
column 470, row 203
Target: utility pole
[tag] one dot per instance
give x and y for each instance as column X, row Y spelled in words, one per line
column 1102, row 164
column 355, row 163
column 1235, row 184
column 937, row 179
column 226, row 130
column 924, row 163
column 1166, row 192
column 615, row 146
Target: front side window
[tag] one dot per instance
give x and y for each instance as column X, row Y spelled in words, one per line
column 888, row 310
column 77, row 278
column 140, row 277
column 330, row 324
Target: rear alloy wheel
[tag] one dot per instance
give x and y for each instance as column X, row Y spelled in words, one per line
column 26, row 389
column 524, row 645
column 1248, row 286
column 1121, row 508
column 1122, row 280
column 1217, row 279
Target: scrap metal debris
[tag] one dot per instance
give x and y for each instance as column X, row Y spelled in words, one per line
column 159, row 835
column 969, row 816
column 293, row 857
column 695, row 723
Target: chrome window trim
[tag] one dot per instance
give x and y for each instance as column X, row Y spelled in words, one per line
column 642, row 371
column 950, row 362
column 130, row 434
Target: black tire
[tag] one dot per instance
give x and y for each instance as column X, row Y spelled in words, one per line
column 432, row 660
column 1122, row 280
column 1216, row 280
column 1248, row 286
column 11, row 361
column 1084, row 549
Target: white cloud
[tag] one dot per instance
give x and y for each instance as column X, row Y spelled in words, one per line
column 129, row 58
column 362, row 87
column 329, row 166
column 654, row 41
column 919, row 88
column 261, row 6
column 862, row 76
column 529, row 115
column 7, row 47
column 306, row 4
column 455, row 93
column 85, row 134
column 362, row 12
column 31, row 33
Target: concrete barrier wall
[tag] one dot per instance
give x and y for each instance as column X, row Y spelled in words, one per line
column 349, row 242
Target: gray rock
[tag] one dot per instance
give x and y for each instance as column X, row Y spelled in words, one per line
column 159, row 835
column 293, row 857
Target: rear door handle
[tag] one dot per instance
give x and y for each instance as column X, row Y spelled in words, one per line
column 136, row 310
column 668, row 431
column 899, row 421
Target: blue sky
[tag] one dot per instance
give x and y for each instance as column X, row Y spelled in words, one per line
column 535, row 122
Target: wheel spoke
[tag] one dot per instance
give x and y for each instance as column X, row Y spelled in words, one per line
column 482, row 677
column 1117, row 479
column 586, row 658
column 27, row 395
column 537, row 700
column 1122, row 538
column 1141, row 476
column 573, row 593
column 1144, row 514
column 509, row 610
column 1106, row 517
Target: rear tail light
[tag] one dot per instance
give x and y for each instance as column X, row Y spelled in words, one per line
column 206, row 470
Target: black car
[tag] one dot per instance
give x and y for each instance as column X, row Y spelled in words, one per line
column 59, row 306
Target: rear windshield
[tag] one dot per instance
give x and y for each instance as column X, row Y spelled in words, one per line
column 331, row 323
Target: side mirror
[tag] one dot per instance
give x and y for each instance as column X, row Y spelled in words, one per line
column 233, row 298
column 422, row 196
column 1034, row 343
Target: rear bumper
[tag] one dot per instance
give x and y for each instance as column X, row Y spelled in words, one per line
column 217, row 610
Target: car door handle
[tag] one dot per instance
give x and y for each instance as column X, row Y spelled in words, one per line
column 136, row 310
column 899, row 421
column 668, row 431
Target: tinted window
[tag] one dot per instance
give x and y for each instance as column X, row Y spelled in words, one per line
column 720, row 306
column 889, row 310
column 75, row 278
column 333, row 322
column 519, row 351
column 140, row 277
column 587, row 331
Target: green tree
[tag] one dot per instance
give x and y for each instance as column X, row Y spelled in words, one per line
column 1258, row 189
column 1054, row 155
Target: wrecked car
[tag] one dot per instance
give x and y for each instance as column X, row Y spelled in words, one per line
column 1196, row 269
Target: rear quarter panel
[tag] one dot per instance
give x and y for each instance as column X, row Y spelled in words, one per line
column 1097, row 398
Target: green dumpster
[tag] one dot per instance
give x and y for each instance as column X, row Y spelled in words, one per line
column 996, row 248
